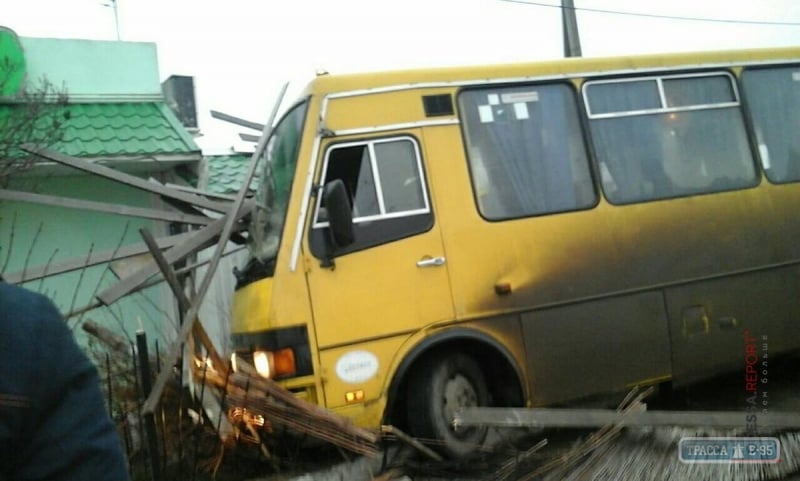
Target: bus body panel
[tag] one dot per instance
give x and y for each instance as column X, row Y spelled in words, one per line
column 598, row 346
column 250, row 310
column 709, row 320
column 344, row 370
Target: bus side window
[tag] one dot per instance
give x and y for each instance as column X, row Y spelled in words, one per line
column 773, row 96
column 525, row 150
column 400, row 178
column 352, row 165
column 670, row 136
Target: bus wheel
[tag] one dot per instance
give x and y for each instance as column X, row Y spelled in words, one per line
column 436, row 391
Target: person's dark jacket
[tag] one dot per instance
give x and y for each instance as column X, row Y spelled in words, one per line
column 53, row 421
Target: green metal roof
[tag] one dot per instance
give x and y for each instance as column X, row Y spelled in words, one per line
column 226, row 172
column 119, row 130
column 115, row 129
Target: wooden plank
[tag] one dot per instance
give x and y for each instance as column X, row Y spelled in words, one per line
column 109, row 338
column 183, row 302
column 77, row 263
column 199, row 240
column 211, row 195
column 402, row 436
column 123, row 178
column 588, row 418
column 175, row 350
column 249, row 137
column 236, row 120
column 166, row 269
column 150, row 283
column 183, row 207
column 124, row 210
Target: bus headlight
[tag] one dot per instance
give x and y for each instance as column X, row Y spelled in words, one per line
column 270, row 364
column 261, row 360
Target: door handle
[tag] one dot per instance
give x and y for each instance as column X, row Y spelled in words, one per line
column 429, row 261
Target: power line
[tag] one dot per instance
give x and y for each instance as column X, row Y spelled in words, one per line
column 652, row 15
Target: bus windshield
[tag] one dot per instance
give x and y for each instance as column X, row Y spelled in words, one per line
column 272, row 197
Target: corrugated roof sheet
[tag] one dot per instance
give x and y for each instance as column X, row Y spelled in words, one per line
column 226, row 172
column 124, row 129
column 121, row 129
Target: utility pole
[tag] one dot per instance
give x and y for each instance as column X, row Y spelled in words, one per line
column 572, row 40
column 113, row 5
column 116, row 18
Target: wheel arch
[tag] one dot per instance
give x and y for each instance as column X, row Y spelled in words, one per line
column 503, row 374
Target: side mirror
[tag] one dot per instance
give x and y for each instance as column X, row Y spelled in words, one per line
column 340, row 213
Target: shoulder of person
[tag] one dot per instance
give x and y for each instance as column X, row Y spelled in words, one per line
column 26, row 316
column 26, row 305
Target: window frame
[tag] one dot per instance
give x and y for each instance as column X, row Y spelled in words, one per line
column 659, row 79
column 370, row 143
column 371, row 231
column 738, row 104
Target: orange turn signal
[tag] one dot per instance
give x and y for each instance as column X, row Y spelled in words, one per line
column 283, row 362
column 354, row 396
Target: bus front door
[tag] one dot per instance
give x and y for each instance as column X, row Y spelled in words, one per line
column 392, row 280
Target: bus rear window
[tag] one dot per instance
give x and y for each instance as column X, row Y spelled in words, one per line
column 773, row 96
column 693, row 141
column 526, row 150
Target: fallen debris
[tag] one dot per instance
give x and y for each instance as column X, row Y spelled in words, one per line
column 267, row 402
column 391, row 430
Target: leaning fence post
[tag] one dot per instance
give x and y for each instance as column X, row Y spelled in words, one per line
column 109, row 386
column 149, row 418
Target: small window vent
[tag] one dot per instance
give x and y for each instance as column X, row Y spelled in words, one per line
column 438, row 105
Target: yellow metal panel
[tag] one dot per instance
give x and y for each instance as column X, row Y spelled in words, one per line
column 302, row 387
column 251, row 305
column 368, row 415
column 338, row 83
column 336, row 369
column 395, row 108
column 381, row 290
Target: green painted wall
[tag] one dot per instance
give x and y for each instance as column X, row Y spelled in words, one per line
column 93, row 69
column 68, row 233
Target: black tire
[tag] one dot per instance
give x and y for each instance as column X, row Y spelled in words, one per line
column 436, row 389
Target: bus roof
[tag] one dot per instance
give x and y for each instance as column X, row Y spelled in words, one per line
column 330, row 83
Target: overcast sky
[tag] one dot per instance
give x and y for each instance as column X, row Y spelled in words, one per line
column 241, row 51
